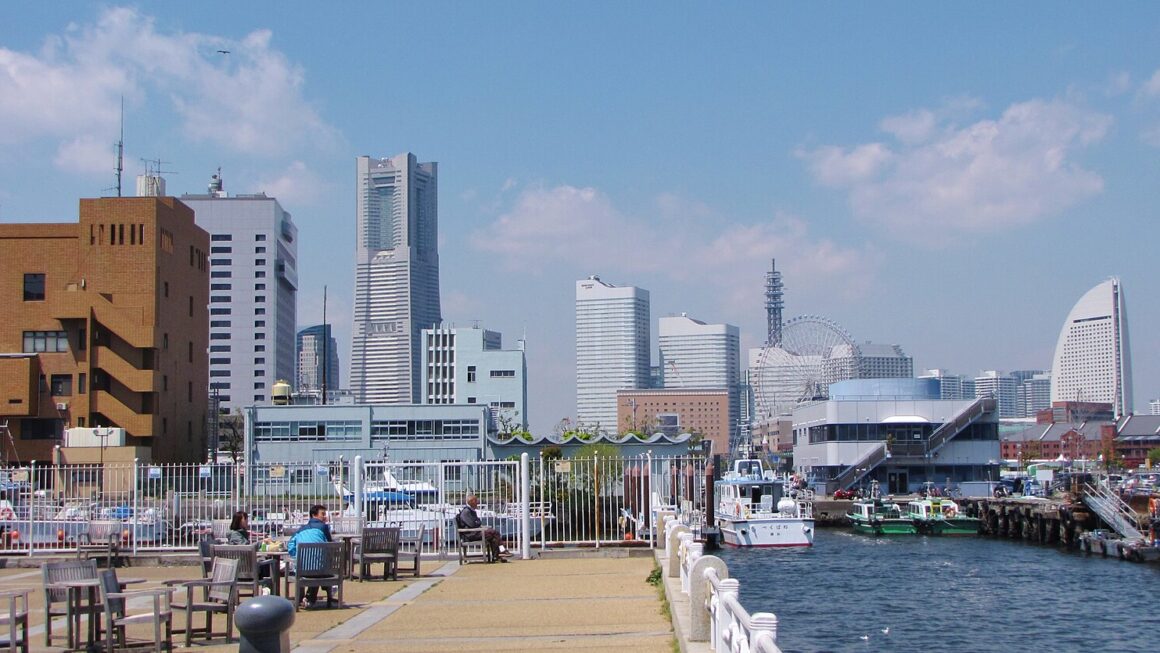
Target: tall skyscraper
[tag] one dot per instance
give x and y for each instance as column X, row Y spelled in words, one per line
column 1092, row 356
column 612, row 348
column 700, row 356
column 317, row 359
column 253, row 293
column 396, row 277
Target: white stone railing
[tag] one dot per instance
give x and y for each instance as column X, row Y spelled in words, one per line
column 715, row 614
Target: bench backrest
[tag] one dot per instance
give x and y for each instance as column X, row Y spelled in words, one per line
column 381, row 539
column 320, row 559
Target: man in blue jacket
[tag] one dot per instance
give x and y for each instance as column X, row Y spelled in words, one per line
column 315, row 530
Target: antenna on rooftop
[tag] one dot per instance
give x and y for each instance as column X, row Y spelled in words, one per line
column 152, row 184
column 120, row 150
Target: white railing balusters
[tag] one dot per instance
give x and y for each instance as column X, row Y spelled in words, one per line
column 716, row 614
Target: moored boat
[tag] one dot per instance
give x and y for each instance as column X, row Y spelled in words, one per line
column 935, row 516
column 754, row 510
column 876, row 516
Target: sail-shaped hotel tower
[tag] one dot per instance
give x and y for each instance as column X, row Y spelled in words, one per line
column 1092, row 358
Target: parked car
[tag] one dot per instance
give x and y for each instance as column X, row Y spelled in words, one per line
column 844, row 494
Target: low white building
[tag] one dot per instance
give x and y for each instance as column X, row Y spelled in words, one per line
column 896, row 431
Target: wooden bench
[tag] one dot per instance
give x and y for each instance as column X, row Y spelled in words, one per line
column 102, row 540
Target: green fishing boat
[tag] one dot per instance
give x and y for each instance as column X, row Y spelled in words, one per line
column 935, row 516
column 879, row 517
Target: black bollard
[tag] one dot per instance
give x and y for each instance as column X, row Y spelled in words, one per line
column 264, row 623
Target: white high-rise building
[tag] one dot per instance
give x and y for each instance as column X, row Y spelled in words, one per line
column 1092, row 356
column 1034, row 395
column 1003, row 388
column 951, row 386
column 612, row 348
column 253, row 293
column 396, row 277
column 696, row 355
column 468, row 365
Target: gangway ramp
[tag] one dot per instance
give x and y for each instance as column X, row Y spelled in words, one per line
column 1118, row 515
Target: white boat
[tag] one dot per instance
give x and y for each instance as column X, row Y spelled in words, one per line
column 754, row 509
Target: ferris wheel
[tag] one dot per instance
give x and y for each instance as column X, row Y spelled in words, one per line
column 814, row 351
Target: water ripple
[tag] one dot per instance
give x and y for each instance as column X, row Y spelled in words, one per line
column 946, row 595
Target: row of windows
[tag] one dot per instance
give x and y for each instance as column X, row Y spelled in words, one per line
column 307, row 431
column 225, row 238
column 229, row 274
column 117, row 234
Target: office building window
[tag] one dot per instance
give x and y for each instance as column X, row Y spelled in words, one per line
column 260, row 237
column 500, row 374
column 34, row 287
column 45, row 341
column 60, row 385
column 221, row 237
column 259, row 286
column 471, row 374
column 259, row 250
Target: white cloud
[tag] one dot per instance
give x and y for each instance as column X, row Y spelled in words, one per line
column 1151, row 87
column 1118, row 83
column 941, row 181
column 914, row 127
column 296, row 185
column 86, row 154
column 580, row 229
column 249, row 101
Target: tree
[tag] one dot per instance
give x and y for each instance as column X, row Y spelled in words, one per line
column 509, row 427
column 1154, row 456
column 232, row 435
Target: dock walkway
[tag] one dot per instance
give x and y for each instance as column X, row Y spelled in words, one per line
column 595, row 603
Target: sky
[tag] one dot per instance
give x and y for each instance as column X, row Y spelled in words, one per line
column 949, row 178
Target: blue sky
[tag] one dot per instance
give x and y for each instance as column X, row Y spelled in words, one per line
column 946, row 177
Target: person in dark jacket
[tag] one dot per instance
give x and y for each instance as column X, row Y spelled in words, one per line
column 469, row 519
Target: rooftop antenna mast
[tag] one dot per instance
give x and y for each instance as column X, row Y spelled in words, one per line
column 120, row 150
column 325, row 346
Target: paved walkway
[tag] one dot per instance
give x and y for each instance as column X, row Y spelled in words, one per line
column 596, row 604
column 551, row 603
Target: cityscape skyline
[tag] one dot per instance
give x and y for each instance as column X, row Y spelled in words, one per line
column 939, row 211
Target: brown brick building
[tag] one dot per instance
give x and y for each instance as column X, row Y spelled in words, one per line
column 680, row 411
column 105, row 325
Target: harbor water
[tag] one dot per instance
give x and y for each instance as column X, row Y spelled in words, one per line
column 915, row 593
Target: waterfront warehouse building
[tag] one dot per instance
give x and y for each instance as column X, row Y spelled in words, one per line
column 612, row 348
column 105, row 332
column 253, row 293
column 696, row 355
column 896, row 431
column 317, row 360
column 1092, row 356
column 468, row 365
column 396, row 277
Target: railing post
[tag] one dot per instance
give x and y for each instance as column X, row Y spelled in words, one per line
column 526, row 502
column 762, row 625
column 134, row 516
column 728, row 588
column 357, row 481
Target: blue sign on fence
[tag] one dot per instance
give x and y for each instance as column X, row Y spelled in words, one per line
column 155, row 473
column 204, row 471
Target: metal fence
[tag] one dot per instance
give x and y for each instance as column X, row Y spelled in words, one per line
column 574, row 501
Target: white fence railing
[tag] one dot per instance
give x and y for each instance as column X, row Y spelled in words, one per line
column 715, row 615
column 592, row 501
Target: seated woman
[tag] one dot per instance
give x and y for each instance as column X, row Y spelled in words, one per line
column 240, row 534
